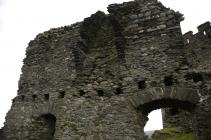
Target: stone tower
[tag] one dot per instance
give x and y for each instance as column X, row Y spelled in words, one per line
column 98, row 79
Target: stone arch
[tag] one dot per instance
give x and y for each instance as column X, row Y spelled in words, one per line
column 164, row 97
column 43, row 127
column 163, row 103
column 43, row 122
column 165, row 94
column 46, row 108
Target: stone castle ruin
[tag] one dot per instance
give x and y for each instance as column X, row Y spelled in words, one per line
column 99, row 79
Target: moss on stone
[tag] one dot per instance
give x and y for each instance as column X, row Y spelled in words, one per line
column 172, row 134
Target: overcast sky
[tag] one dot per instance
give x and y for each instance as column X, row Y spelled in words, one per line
column 22, row 20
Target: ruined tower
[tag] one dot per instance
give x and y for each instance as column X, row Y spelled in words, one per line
column 98, row 79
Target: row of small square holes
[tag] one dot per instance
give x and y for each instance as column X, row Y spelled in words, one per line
column 46, row 96
column 141, row 85
column 168, row 81
column 101, row 92
column 81, row 93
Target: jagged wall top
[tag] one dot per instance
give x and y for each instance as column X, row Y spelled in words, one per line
column 134, row 41
column 99, row 74
column 198, row 48
column 203, row 29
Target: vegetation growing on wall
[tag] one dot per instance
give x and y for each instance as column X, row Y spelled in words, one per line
column 172, row 134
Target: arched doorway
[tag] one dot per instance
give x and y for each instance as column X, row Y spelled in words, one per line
column 175, row 107
column 173, row 98
column 43, row 127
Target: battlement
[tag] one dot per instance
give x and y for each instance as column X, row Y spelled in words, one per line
column 204, row 30
column 198, row 47
column 204, row 27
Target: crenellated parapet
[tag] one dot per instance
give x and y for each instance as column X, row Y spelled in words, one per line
column 198, row 47
column 203, row 30
column 198, row 73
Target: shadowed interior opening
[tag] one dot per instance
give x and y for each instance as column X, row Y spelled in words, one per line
column 196, row 77
column 118, row 91
column 22, row 98
column 34, row 97
column 157, row 104
column 100, row 92
column 168, row 80
column 171, row 109
column 81, row 93
column 44, row 127
column 46, row 97
column 142, row 84
column 61, row 94
column 174, row 111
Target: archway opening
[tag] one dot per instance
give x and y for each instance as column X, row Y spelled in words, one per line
column 168, row 113
column 44, row 127
column 155, row 121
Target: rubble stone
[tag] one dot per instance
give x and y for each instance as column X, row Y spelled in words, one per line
column 98, row 79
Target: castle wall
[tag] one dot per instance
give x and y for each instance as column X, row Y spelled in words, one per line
column 1, row 134
column 154, row 47
column 80, row 118
column 203, row 119
column 87, row 75
column 198, row 47
column 174, row 117
column 198, row 59
column 198, row 54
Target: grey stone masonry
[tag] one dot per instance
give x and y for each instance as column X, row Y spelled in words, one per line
column 198, row 54
column 1, row 134
column 98, row 79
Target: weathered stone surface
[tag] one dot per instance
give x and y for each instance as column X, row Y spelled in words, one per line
column 1, row 134
column 198, row 73
column 98, row 79
column 173, row 134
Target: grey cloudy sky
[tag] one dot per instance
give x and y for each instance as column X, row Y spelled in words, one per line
column 22, row 20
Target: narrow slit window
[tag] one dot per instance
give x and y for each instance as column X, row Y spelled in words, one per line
column 22, row 98
column 188, row 41
column 34, row 97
